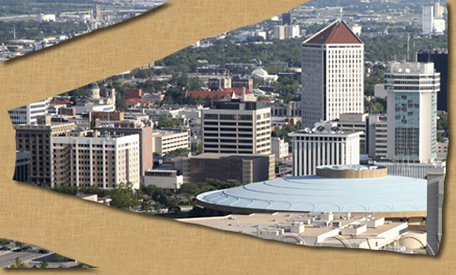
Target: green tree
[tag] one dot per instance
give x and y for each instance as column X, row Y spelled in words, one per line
column 19, row 244
column 121, row 105
column 166, row 122
column 442, row 122
column 177, row 152
column 44, row 263
column 124, row 196
column 62, row 266
column 18, row 264
column 4, row 241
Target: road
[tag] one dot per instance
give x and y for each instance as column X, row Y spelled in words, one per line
column 7, row 258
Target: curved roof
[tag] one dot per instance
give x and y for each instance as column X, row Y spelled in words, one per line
column 315, row 193
column 260, row 72
column 93, row 85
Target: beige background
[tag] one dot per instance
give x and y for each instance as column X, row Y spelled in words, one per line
column 119, row 242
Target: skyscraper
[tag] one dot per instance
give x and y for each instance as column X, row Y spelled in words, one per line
column 440, row 60
column 428, row 17
column 332, row 74
column 412, row 111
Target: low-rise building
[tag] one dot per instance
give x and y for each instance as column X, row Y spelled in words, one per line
column 314, row 228
column 165, row 141
column 244, row 168
column 164, row 178
column 279, row 149
column 324, row 145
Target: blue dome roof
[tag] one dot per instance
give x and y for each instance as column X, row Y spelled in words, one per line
column 316, row 193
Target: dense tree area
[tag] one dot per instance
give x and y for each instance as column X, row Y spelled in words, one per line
column 177, row 152
column 123, row 196
column 375, row 106
column 394, row 47
column 31, row 29
column 442, row 127
column 166, row 122
column 374, row 78
column 190, row 190
column 226, row 51
column 18, row 7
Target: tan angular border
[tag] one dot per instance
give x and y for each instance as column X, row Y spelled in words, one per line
column 118, row 242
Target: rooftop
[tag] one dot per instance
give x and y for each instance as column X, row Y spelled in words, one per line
column 336, row 33
column 317, row 193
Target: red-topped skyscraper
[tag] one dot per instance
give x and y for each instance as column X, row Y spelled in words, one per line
column 332, row 74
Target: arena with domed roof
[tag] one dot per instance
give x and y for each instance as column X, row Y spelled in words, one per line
column 340, row 188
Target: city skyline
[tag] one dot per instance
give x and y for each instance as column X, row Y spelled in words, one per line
column 265, row 80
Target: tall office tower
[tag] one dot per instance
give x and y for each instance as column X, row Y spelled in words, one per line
column 104, row 161
column 28, row 114
column 438, row 10
column 36, row 140
column 332, row 74
column 145, row 134
column 325, row 145
column 428, row 18
column 286, row 18
column 412, row 111
column 236, row 128
column 440, row 60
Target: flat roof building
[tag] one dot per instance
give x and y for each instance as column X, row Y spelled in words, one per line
column 104, row 161
column 236, row 128
column 36, row 139
column 244, row 168
column 323, row 145
column 412, row 111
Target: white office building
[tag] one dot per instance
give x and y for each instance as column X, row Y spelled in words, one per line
column 428, row 17
column 168, row 140
column 433, row 22
column 412, row 111
column 324, row 145
column 104, row 161
column 332, row 74
column 28, row 114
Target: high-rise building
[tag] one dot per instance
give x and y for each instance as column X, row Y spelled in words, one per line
column 332, row 74
column 104, row 161
column 145, row 142
column 28, row 114
column 440, row 60
column 236, row 128
column 428, row 18
column 36, row 140
column 412, row 111
column 286, row 18
column 325, row 145
column 433, row 22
